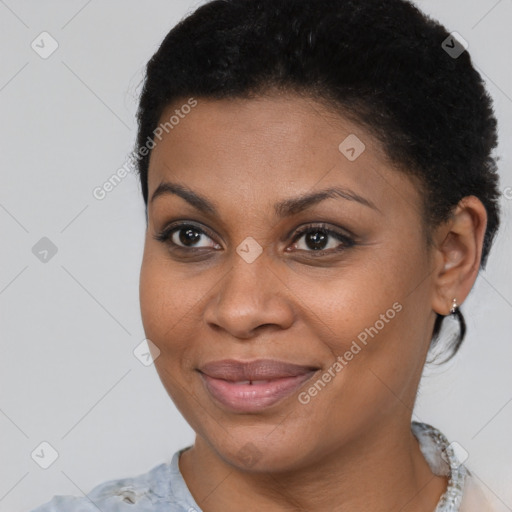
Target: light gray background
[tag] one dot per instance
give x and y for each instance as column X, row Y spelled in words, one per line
column 68, row 375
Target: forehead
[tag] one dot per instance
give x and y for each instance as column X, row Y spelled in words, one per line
column 269, row 146
column 279, row 121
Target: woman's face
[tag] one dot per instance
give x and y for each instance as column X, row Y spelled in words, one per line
column 349, row 301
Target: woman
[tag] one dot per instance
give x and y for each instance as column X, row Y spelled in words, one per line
column 320, row 196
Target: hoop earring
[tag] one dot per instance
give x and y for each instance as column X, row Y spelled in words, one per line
column 456, row 312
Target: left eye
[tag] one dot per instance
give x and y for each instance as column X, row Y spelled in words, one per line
column 317, row 239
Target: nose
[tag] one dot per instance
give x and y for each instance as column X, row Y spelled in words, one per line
column 251, row 297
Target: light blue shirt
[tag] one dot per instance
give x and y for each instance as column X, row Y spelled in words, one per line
column 162, row 489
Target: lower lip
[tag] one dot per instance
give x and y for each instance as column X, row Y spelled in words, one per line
column 253, row 397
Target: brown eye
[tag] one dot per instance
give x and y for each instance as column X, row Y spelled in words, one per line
column 186, row 236
column 322, row 239
column 316, row 240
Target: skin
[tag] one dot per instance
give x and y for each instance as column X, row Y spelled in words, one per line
column 351, row 447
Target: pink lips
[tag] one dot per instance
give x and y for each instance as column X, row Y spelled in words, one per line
column 253, row 386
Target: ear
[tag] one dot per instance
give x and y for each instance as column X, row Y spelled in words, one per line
column 458, row 246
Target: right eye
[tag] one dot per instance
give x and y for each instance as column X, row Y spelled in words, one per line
column 184, row 236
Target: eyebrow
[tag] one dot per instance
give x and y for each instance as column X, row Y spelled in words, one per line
column 282, row 209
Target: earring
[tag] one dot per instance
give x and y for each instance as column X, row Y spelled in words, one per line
column 453, row 311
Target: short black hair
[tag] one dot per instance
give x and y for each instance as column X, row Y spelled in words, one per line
column 384, row 64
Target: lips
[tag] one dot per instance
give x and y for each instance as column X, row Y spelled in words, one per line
column 250, row 387
column 259, row 370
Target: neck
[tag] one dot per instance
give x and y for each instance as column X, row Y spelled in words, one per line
column 380, row 471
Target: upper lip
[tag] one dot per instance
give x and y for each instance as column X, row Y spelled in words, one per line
column 261, row 369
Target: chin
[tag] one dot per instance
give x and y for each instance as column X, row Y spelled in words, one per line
column 256, row 454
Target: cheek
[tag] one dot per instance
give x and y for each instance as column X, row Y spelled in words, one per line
column 375, row 318
column 162, row 300
column 170, row 308
column 151, row 295
column 166, row 318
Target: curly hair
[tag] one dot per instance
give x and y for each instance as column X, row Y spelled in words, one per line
column 382, row 64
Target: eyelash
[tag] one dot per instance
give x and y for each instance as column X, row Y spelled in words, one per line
column 346, row 241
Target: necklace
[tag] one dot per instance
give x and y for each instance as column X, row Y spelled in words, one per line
column 444, row 454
